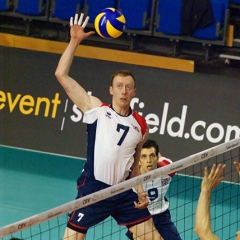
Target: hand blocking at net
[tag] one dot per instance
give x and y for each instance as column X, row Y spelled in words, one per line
column 203, row 217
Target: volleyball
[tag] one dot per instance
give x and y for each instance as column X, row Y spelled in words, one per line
column 109, row 23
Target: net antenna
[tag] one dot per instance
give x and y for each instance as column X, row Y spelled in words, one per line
column 118, row 188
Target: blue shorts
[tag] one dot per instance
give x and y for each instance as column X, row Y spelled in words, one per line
column 120, row 207
column 164, row 225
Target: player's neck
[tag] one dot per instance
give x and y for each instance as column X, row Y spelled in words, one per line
column 123, row 111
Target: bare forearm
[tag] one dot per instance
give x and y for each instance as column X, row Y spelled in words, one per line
column 203, row 211
column 203, row 218
column 67, row 58
column 136, row 173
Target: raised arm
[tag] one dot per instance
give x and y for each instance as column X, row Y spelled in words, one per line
column 203, row 218
column 75, row 92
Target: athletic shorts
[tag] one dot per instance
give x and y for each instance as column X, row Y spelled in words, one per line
column 164, row 225
column 121, row 207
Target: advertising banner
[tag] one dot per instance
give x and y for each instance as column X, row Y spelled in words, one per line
column 186, row 112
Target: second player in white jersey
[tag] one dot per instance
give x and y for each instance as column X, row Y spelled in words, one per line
column 157, row 190
column 151, row 159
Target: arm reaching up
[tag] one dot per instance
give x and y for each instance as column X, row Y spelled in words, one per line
column 75, row 91
column 203, row 218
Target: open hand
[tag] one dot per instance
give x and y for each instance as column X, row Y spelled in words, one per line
column 212, row 179
column 77, row 28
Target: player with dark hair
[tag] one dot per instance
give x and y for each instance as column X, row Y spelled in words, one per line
column 115, row 137
column 151, row 159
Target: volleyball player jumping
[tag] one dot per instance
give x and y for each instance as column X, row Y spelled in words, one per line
column 115, row 137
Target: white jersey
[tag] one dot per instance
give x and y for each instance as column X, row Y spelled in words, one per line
column 112, row 140
column 156, row 191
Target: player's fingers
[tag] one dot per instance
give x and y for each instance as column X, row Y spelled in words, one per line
column 138, row 205
column 90, row 33
column 220, row 170
column 237, row 165
column 142, row 205
column 71, row 21
column 223, row 168
column 212, row 171
column 76, row 19
column 206, row 172
column 85, row 22
column 80, row 19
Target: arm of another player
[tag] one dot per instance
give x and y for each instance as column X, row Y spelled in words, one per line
column 237, row 165
column 203, row 218
column 142, row 195
column 75, row 92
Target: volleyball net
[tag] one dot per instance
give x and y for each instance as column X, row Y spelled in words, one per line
column 182, row 194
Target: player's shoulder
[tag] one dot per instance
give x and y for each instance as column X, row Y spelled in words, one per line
column 105, row 104
column 140, row 119
column 163, row 161
column 96, row 111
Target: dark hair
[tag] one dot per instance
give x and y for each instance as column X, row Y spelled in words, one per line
column 123, row 73
column 151, row 143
